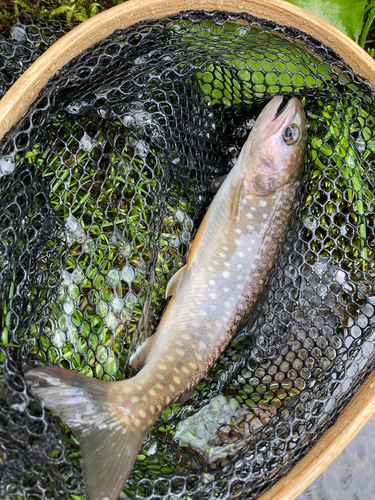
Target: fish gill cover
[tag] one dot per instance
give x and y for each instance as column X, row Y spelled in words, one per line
column 103, row 184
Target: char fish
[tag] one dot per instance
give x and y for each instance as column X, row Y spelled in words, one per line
column 228, row 265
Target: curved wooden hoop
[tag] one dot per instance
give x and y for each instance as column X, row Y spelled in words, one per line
column 20, row 96
column 331, row 444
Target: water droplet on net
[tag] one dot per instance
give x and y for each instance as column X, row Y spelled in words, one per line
column 127, row 274
column 87, row 143
column 89, row 245
column 7, row 165
column 113, row 277
column 117, row 304
column 76, row 107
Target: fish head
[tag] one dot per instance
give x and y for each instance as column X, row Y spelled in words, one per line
column 274, row 152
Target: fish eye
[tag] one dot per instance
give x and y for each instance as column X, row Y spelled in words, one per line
column 290, row 134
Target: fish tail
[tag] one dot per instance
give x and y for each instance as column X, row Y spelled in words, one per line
column 101, row 416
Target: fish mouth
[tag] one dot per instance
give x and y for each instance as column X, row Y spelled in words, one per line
column 287, row 112
column 281, row 110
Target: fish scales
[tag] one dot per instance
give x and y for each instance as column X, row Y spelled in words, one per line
column 220, row 292
column 228, row 266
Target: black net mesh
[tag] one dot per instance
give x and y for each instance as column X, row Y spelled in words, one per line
column 103, row 184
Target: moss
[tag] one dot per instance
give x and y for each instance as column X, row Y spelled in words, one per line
column 68, row 10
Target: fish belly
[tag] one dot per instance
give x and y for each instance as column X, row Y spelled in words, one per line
column 221, row 282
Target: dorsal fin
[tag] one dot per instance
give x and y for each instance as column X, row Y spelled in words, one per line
column 175, row 282
column 235, row 202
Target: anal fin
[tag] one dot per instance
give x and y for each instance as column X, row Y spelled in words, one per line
column 185, row 396
column 139, row 358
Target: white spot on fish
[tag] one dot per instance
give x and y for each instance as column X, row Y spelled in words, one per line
column 237, row 242
column 224, row 248
column 159, row 386
column 222, row 255
column 212, row 296
column 218, row 323
column 225, row 289
column 238, row 230
column 198, row 356
column 177, row 380
column 180, row 352
column 215, row 262
column 226, row 274
column 212, row 282
column 137, row 422
column 249, row 197
column 241, row 254
column 159, row 376
column 195, row 323
column 250, row 228
column 150, row 421
column 202, row 312
column 162, row 367
column 210, row 268
column 226, row 264
column 142, row 413
column 265, row 216
column 239, row 266
column 210, row 335
column 171, row 387
column 170, row 358
column 262, row 203
column 185, row 370
column 193, row 365
column 253, row 209
column 134, row 399
column 185, row 336
column 167, row 400
column 152, row 409
column 152, row 392
column 250, row 215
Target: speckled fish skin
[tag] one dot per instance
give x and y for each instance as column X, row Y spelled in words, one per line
column 228, row 266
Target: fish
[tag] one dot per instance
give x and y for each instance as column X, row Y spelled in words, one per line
column 228, row 266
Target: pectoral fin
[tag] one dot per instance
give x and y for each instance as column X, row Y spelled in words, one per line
column 235, row 202
column 176, row 282
column 217, row 183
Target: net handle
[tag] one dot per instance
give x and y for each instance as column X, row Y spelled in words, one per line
column 330, row 445
column 17, row 100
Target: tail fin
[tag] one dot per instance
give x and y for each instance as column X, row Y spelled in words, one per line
column 108, row 447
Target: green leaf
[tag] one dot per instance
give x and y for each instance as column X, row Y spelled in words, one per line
column 343, row 14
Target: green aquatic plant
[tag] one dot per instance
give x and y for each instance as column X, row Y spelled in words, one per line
column 95, row 188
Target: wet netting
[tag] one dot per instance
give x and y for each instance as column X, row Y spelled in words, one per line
column 103, row 184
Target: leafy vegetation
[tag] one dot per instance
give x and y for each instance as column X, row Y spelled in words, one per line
column 95, row 258
column 354, row 17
